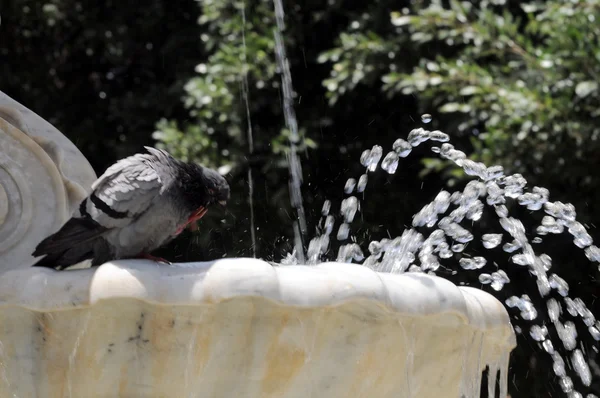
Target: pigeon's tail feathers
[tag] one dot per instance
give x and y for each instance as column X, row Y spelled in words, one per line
column 49, row 261
column 74, row 232
column 73, row 243
column 70, row 257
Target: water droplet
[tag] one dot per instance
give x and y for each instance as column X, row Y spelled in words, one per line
column 472, row 263
column 563, row 211
column 566, row 383
column 513, row 185
column 370, row 158
column 349, row 208
column 473, row 168
column 523, row 259
column 362, row 183
column 559, row 284
column 582, row 238
column 538, row 333
column 376, row 248
column 593, row 253
column 499, row 279
column 548, row 346
column 554, row 309
column 350, row 184
column 390, row 162
column 426, row 118
column 365, row 157
column 329, row 223
column 343, row 232
column 485, row 278
column 316, row 247
column 512, row 301
column 438, row 136
column 581, row 367
column 448, row 152
column 494, row 172
column 447, row 253
column 326, row 208
column 594, row 332
column 414, row 268
column 402, row 148
column 510, row 247
column 501, row 211
column 567, row 333
column 491, row 241
column 350, row 252
column 517, row 329
column 417, row 137
column 558, row 365
column 458, row 248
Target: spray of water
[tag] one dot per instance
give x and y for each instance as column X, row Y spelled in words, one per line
column 295, row 166
column 414, row 251
column 245, row 93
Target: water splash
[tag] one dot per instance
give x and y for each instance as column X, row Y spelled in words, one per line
column 295, row 138
column 416, row 251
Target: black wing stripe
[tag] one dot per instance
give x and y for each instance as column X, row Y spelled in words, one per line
column 106, row 208
column 83, row 209
column 86, row 216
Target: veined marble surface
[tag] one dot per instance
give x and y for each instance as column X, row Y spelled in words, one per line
column 43, row 177
column 245, row 329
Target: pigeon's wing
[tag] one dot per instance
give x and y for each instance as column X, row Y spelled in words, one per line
column 123, row 192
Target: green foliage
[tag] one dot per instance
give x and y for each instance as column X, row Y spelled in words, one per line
column 355, row 61
column 242, row 46
column 520, row 83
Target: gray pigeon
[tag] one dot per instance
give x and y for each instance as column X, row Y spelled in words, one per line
column 137, row 205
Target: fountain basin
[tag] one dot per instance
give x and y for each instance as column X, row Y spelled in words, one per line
column 228, row 328
column 244, row 328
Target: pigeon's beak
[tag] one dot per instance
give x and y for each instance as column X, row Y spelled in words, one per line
column 223, row 203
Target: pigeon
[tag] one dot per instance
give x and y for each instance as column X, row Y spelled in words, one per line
column 138, row 205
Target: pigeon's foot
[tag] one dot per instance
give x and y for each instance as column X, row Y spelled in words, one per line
column 150, row 257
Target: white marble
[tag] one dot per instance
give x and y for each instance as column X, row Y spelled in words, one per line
column 43, row 177
column 243, row 328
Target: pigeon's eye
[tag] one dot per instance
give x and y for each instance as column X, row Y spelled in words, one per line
column 211, row 191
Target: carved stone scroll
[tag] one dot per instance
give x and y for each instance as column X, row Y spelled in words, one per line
column 43, row 177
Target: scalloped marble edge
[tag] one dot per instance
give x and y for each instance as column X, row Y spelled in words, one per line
column 208, row 283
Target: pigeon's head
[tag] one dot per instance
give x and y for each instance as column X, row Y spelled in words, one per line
column 217, row 188
column 203, row 187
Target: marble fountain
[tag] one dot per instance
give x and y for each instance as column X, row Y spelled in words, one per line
column 235, row 327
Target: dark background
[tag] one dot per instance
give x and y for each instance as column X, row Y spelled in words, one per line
column 115, row 76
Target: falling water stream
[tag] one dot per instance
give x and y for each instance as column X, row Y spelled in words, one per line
column 294, row 164
column 249, row 133
column 445, row 218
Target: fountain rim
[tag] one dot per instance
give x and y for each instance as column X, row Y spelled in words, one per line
column 327, row 285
